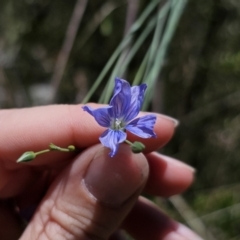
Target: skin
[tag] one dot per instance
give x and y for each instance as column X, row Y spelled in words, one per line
column 85, row 195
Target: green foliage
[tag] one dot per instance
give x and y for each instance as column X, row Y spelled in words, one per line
column 220, row 210
column 229, row 63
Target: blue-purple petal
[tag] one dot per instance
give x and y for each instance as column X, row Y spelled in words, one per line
column 121, row 99
column 138, row 93
column 143, row 126
column 137, row 97
column 111, row 139
column 101, row 115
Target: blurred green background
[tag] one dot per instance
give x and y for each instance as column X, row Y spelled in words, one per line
column 57, row 51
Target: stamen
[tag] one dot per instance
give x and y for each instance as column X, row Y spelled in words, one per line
column 118, row 124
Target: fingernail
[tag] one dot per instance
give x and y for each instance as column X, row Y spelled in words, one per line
column 112, row 180
column 175, row 121
column 177, row 162
column 181, row 233
column 187, row 233
column 174, row 236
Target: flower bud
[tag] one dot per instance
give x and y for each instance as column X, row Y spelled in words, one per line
column 53, row 147
column 27, row 157
column 71, row 148
column 137, row 147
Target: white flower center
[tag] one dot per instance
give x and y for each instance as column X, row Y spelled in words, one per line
column 118, row 124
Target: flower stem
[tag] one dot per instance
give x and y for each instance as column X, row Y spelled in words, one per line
column 128, row 142
column 41, row 152
column 30, row 155
column 54, row 147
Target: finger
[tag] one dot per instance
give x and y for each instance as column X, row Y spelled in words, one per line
column 91, row 197
column 34, row 128
column 146, row 221
column 167, row 176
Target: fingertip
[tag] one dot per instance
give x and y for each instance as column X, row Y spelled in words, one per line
column 168, row 176
column 147, row 221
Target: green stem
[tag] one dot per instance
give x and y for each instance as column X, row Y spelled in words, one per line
column 70, row 148
column 53, row 147
column 128, row 142
column 60, row 149
column 43, row 151
column 30, row 155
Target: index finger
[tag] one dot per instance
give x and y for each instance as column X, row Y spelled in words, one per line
column 34, row 128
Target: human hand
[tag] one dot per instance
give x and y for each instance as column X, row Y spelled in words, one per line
column 88, row 195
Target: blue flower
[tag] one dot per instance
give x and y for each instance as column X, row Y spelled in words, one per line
column 120, row 115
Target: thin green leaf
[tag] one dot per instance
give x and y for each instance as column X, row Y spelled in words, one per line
column 120, row 48
column 177, row 7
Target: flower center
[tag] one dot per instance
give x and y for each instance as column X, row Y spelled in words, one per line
column 117, row 124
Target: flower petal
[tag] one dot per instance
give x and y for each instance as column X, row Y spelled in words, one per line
column 111, row 139
column 137, row 97
column 143, row 126
column 137, row 93
column 121, row 99
column 101, row 115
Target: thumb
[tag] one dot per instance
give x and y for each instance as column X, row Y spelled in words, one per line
column 91, row 197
